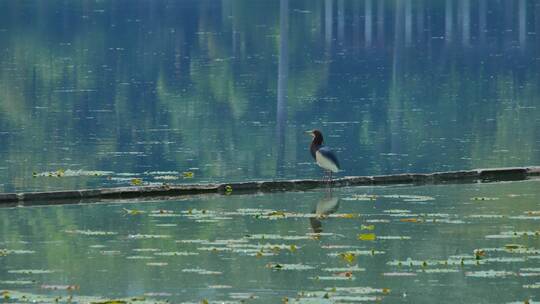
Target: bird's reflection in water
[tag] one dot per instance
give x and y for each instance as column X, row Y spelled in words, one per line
column 327, row 205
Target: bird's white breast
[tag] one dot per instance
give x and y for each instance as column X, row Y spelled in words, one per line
column 325, row 162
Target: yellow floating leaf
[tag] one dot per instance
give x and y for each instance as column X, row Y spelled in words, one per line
column 349, row 257
column 276, row 213
column 136, row 181
column 293, row 248
column 367, row 227
column 512, row 246
column 133, row 211
column 188, row 174
column 366, row 237
column 347, row 215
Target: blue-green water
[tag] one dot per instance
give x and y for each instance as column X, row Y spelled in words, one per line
column 382, row 244
column 102, row 92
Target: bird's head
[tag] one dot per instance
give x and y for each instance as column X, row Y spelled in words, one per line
column 314, row 133
column 317, row 136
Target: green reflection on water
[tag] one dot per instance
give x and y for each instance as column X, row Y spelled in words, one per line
column 137, row 86
column 264, row 246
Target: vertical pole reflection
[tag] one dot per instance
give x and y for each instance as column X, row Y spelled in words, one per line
column 380, row 22
column 465, row 14
column 368, row 30
column 341, row 21
column 328, row 21
column 234, row 31
column 522, row 23
column 537, row 22
column 420, row 22
column 448, row 21
column 283, row 76
column 356, row 24
column 482, row 21
column 397, row 72
column 508, row 23
column 408, row 22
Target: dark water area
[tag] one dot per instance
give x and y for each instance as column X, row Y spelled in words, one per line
column 99, row 93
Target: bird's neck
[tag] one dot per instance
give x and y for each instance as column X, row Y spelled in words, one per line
column 315, row 145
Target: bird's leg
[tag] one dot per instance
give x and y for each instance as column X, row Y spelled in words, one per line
column 328, row 177
column 331, row 182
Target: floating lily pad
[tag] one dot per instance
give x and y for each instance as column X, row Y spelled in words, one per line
column 358, row 252
column 219, row 286
column 487, row 216
column 490, row 274
column 352, row 268
column 360, row 197
column 4, row 252
column 139, row 257
column 31, row 271
column 61, row 287
column 201, row 271
column 146, row 249
column 399, row 274
column 176, row 253
column 110, row 252
column 17, row 282
column 157, row 264
column 282, row 266
column 393, row 237
column 148, row 236
column 439, row 270
column 166, row 177
column 483, row 198
column 91, row 232
column 333, row 278
column 277, row 237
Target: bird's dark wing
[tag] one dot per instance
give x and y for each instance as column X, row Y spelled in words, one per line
column 328, row 153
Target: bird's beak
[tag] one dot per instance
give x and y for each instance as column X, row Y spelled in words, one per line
column 309, row 132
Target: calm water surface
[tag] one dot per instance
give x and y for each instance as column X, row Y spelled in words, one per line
column 102, row 92
column 389, row 244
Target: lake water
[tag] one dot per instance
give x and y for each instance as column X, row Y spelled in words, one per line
column 104, row 92
column 115, row 93
column 475, row 243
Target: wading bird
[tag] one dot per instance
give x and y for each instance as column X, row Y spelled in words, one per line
column 323, row 155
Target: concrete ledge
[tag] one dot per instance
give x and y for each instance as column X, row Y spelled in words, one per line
column 46, row 196
column 477, row 175
column 8, row 197
column 506, row 173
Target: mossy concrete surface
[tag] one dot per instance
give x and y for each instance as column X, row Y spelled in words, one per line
column 477, row 175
